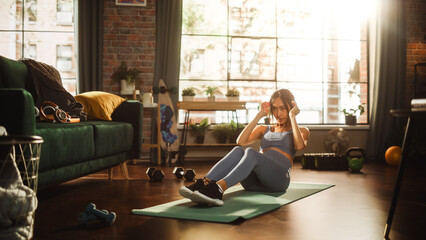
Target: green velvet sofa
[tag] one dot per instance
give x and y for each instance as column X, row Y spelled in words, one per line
column 70, row 150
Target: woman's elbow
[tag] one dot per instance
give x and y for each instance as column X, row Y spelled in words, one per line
column 300, row 147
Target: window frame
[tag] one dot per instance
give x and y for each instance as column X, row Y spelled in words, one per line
column 275, row 81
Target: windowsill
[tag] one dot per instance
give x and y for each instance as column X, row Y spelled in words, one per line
column 320, row 127
column 328, row 127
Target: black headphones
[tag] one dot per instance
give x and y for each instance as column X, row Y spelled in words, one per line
column 51, row 112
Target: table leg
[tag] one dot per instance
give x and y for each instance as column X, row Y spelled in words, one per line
column 405, row 150
column 182, row 147
column 159, row 134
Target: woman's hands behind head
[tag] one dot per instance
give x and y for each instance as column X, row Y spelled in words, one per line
column 294, row 110
column 264, row 108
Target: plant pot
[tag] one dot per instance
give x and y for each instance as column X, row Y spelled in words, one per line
column 233, row 99
column 350, row 120
column 199, row 139
column 188, row 98
column 233, row 138
column 126, row 88
column 221, row 139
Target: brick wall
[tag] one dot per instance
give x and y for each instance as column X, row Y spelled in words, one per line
column 129, row 35
column 415, row 25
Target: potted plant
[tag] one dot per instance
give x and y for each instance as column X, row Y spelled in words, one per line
column 127, row 78
column 236, row 129
column 350, row 114
column 221, row 132
column 233, row 95
column 200, row 130
column 210, row 92
column 188, row 94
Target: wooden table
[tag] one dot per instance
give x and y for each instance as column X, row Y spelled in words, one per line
column 203, row 106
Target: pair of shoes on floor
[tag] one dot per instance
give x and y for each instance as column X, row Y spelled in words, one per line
column 201, row 193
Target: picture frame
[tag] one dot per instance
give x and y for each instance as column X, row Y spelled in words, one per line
column 131, row 2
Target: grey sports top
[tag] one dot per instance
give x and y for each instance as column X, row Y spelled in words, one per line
column 280, row 140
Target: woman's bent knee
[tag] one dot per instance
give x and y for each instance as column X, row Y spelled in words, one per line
column 250, row 150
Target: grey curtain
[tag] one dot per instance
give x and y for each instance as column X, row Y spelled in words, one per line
column 389, row 80
column 90, row 45
column 167, row 53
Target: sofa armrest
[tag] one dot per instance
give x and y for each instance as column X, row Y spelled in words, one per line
column 17, row 113
column 131, row 111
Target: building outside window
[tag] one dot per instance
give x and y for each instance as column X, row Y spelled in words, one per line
column 42, row 30
column 315, row 48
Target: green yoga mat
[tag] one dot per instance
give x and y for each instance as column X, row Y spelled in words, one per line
column 239, row 204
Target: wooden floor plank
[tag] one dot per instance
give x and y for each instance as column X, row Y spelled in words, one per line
column 356, row 208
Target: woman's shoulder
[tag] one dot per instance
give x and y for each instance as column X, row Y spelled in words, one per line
column 260, row 130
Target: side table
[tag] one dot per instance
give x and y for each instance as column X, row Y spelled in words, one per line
column 19, row 161
column 414, row 117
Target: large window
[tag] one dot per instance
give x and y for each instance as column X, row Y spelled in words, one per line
column 315, row 48
column 42, row 30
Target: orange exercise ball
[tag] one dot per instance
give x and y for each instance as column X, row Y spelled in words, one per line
column 393, row 155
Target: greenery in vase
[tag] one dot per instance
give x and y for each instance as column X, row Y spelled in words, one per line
column 232, row 93
column 200, row 129
column 353, row 111
column 188, row 92
column 236, row 129
column 211, row 91
column 131, row 75
column 221, row 132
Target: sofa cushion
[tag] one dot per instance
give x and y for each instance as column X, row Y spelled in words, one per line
column 13, row 74
column 99, row 105
column 65, row 144
column 111, row 137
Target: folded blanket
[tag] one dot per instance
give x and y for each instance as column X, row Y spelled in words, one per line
column 17, row 201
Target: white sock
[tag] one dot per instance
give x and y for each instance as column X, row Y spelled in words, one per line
column 220, row 188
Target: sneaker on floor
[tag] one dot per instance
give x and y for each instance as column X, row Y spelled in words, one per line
column 211, row 194
column 187, row 191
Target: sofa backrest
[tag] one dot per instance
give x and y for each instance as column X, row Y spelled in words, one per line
column 13, row 74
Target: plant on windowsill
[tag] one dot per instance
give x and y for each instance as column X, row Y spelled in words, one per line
column 128, row 77
column 351, row 114
column 199, row 130
column 221, row 132
column 233, row 95
column 236, row 129
column 210, row 92
column 188, row 94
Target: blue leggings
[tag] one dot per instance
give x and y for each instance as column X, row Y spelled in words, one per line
column 267, row 172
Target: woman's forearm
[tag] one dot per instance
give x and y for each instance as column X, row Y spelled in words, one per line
column 299, row 141
column 244, row 137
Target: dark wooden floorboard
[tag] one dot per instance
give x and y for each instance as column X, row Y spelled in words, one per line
column 356, row 208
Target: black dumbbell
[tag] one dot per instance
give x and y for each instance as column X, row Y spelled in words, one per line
column 189, row 175
column 105, row 216
column 155, row 175
column 84, row 218
column 180, row 172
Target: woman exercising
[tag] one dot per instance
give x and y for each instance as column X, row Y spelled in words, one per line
column 265, row 171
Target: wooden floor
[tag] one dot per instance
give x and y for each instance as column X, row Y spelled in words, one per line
column 356, row 208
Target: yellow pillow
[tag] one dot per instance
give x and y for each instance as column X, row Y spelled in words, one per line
column 98, row 104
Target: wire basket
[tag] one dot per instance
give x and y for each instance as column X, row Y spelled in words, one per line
column 19, row 162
